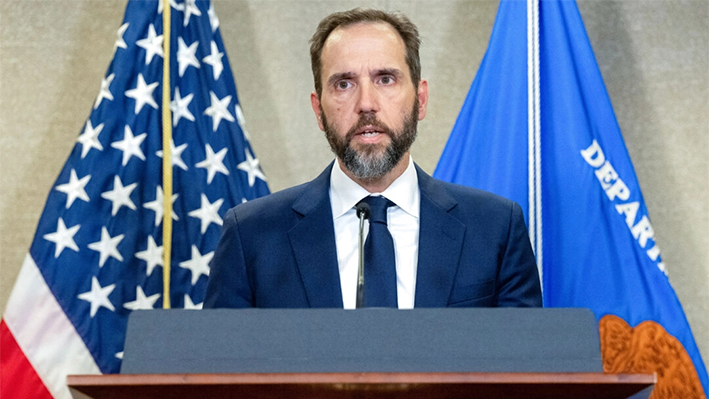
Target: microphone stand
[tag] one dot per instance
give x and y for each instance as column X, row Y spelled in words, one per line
column 362, row 213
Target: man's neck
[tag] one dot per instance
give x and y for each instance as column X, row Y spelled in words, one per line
column 382, row 183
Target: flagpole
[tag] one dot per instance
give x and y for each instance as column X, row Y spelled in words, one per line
column 538, row 145
column 167, row 157
column 534, row 180
column 530, row 126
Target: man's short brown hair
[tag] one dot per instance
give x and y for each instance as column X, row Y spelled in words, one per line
column 406, row 29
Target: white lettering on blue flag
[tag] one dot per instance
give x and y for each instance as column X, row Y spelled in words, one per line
column 618, row 192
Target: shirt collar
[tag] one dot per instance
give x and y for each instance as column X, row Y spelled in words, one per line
column 345, row 193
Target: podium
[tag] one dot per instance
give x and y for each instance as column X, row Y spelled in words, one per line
column 371, row 353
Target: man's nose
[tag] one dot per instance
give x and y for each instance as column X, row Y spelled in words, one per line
column 368, row 98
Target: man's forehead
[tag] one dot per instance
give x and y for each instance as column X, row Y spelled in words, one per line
column 344, row 32
column 381, row 26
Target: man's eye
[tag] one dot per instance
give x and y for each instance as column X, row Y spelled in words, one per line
column 387, row 80
column 343, row 84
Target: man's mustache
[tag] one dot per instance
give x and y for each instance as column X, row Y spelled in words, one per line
column 368, row 119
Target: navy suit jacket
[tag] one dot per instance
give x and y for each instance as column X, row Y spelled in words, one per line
column 279, row 251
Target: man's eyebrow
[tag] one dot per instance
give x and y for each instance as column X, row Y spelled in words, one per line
column 339, row 76
column 388, row 71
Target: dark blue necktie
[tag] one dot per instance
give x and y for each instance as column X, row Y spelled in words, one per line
column 379, row 260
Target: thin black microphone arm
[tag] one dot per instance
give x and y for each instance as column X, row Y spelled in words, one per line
column 363, row 212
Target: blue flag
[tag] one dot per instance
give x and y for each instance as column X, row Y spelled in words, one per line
column 98, row 250
column 538, row 127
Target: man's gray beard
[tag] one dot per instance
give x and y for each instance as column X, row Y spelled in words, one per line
column 368, row 164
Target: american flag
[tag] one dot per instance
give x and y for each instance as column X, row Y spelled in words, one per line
column 98, row 250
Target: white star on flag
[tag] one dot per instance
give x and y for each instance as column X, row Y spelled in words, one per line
column 215, row 60
column 120, row 195
column 74, row 189
column 105, row 91
column 152, row 45
column 191, row 305
column 98, row 296
column 213, row 20
column 142, row 301
column 218, row 110
column 186, row 55
column 157, row 205
column 251, row 166
column 198, row 265
column 176, row 156
column 190, row 9
column 89, row 139
column 107, row 247
column 152, row 256
column 213, row 163
column 119, row 39
column 142, row 94
column 179, row 107
column 63, row 238
column 130, row 145
column 208, row 212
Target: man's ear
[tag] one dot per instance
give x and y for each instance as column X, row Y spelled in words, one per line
column 315, row 103
column 423, row 98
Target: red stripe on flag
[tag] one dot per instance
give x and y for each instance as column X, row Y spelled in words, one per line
column 17, row 376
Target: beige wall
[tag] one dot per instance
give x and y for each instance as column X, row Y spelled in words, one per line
column 654, row 57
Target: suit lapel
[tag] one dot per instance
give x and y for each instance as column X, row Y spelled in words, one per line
column 313, row 243
column 440, row 243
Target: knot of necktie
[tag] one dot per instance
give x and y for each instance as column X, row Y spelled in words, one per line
column 378, row 208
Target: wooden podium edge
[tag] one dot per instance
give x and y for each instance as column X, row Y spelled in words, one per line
column 362, row 385
column 360, row 378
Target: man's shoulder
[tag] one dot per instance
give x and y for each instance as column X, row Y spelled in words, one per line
column 273, row 204
column 284, row 202
column 475, row 196
column 485, row 213
column 452, row 194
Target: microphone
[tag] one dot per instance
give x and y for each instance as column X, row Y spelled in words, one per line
column 363, row 211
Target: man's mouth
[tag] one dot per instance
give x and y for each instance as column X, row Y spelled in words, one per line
column 370, row 131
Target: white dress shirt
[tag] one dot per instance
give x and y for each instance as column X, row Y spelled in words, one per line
column 403, row 222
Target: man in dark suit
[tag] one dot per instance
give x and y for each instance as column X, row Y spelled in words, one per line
column 444, row 245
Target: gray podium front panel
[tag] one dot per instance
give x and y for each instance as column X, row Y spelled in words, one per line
column 364, row 340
